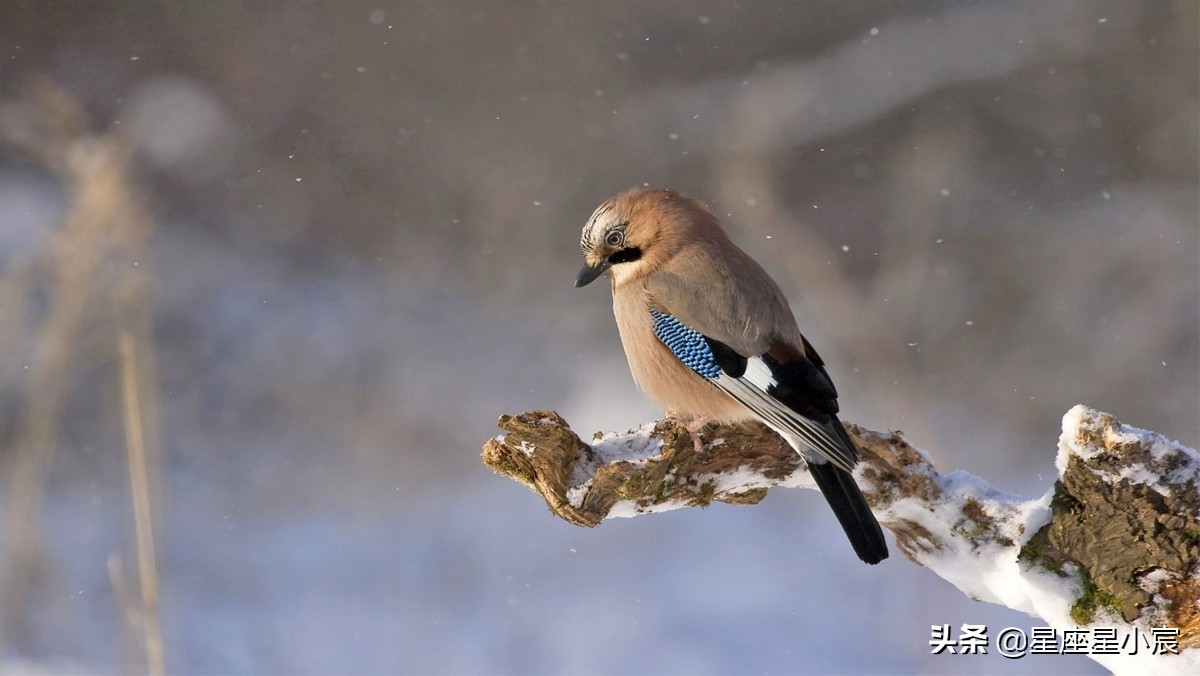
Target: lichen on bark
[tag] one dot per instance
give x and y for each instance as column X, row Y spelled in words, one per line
column 1118, row 530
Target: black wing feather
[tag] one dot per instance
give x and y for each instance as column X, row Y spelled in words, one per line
column 805, row 387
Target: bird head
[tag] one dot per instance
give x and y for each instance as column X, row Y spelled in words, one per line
column 631, row 235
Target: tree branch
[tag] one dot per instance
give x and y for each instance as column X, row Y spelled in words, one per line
column 1115, row 541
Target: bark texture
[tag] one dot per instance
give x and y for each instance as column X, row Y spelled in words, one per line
column 1123, row 518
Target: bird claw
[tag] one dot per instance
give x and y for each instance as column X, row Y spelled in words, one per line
column 695, row 427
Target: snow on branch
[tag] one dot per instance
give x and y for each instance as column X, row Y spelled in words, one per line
column 1114, row 542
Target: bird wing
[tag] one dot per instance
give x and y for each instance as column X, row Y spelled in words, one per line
column 789, row 391
column 724, row 294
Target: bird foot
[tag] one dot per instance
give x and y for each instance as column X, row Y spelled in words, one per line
column 694, row 426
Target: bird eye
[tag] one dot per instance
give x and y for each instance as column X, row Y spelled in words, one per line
column 614, row 238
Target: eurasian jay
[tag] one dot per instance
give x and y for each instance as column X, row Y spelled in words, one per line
column 709, row 337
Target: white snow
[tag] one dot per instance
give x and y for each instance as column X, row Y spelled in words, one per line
column 1163, row 452
column 993, row 573
column 635, row 447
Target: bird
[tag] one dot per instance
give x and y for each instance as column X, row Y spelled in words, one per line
column 710, row 337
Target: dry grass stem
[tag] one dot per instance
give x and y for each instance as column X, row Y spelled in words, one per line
column 90, row 279
column 139, row 483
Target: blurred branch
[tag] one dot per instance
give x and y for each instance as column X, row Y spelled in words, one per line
column 868, row 75
column 93, row 276
column 1119, row 524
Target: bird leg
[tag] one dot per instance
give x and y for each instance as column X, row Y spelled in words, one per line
column 694, row 426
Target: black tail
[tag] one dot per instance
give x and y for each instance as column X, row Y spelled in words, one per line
column 851, row 510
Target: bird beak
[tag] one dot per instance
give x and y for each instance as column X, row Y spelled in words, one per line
column 589, row 274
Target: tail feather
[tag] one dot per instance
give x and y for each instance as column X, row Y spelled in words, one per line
column 848, row 504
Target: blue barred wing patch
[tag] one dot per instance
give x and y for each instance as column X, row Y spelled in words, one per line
column 687, row 344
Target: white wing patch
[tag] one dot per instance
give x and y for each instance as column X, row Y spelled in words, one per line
column 759, row 374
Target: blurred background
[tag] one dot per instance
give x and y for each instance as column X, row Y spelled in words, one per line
column 269, row 272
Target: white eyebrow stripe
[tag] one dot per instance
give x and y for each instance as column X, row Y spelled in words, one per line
column 589, row 232
column 600, row 211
